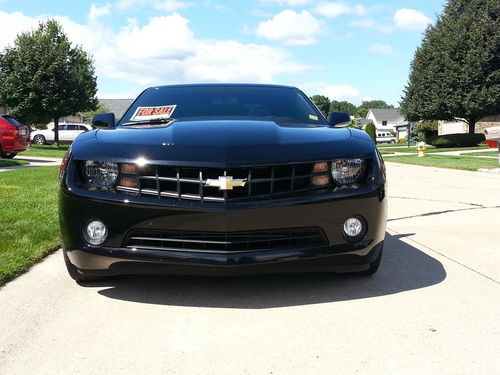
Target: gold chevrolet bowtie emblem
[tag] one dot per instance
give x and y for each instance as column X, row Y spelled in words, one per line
column 225, row 182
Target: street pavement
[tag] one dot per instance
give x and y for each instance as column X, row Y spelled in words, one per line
column 433, row 307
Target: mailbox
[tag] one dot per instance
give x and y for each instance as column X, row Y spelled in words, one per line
column 492, row 136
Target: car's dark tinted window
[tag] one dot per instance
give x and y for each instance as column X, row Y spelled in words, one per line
column 283, row 104
column 62, row 127
column 73, row 127
column 11, row 120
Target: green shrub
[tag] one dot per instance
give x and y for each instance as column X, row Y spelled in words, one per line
column 456, row 140
column 426, row 130
column 371, row 131
column 403, row 140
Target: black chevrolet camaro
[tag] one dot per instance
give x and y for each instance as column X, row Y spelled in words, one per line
column 222, row 179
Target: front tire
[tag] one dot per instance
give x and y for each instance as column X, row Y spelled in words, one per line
column 78, row 275
column 7, row 155
column 39, row 140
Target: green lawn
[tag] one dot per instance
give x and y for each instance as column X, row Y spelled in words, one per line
column 482, row 153
column 384, row 150
column 46, row 151
column 11, row 162
column 444, row 161
column 28, row 218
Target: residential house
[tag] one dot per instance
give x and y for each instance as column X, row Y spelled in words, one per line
column 401, row 131
column 116, row 106
column 461, row 127
column 361, row 123
column 386, row 118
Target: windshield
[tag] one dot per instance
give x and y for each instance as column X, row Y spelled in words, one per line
column 12, row 120
column 280, row 104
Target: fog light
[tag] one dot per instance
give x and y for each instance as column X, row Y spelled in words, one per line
column 354, row 229
column 95, row 232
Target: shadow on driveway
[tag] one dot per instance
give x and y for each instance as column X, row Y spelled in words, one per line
column 403, row 268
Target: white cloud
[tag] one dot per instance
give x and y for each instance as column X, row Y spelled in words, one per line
column 341, row 92
column 12, row 24
column 332, row 91
column 289, row 3
column 140, row 54
column 164, row 5
column 411, row 19
column 381, row 49
column 335, row 9
column 291, row 28
column 363, row 23
column 97, row 11
column 170, row 5
column 127, row 4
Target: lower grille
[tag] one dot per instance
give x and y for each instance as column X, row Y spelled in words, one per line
column 226, row 242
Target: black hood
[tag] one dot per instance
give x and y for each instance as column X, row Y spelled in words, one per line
column 221, row 143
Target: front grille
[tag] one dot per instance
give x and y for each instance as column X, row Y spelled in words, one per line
column 226, row 242
column 262, row 182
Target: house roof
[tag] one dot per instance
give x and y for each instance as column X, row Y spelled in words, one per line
column 386, row 114
column 117, row 106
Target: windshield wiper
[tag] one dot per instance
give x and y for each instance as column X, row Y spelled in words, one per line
column 154, row 121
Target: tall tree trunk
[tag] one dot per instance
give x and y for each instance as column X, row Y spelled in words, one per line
column 472, row 126
column 56, row 132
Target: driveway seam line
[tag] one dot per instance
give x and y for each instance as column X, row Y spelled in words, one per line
column 447, row 257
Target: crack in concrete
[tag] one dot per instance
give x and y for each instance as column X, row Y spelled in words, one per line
column 441, row 212
column 445, row 256
column 438, row 200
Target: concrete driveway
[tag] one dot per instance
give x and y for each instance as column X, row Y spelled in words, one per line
column 434, row 306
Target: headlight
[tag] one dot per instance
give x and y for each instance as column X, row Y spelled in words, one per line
column 348, row 171
column 101, row 174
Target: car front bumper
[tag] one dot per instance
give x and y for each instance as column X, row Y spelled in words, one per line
column 121, row 216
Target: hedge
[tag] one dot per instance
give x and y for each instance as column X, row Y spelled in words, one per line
column 371, row 131
column 456, row 140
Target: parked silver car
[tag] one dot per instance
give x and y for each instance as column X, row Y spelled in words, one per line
column 67, row 133
column 385, row 137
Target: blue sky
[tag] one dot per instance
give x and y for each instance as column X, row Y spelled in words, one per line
column 347, row 50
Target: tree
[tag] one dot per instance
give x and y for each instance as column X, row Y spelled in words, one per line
column 455, row 73
column 366, row 105
column 322, row 102
column 371, row 131
column 343, row 106
column 44, row 77
column 426, row 130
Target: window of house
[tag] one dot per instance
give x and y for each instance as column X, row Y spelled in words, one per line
column 384, row 123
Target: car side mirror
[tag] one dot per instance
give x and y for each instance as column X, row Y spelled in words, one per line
column 339, row 119
column 104, row 120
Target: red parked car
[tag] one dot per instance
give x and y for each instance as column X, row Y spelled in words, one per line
column 14, row 137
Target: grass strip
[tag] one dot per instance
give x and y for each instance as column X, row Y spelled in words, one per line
column 12, row 162
column 28, row 219
column 47, row 151
column 445, row 161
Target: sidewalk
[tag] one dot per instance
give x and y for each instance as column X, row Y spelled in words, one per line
column 34, row 162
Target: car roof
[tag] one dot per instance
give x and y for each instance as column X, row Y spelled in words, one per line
column 225, row 85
